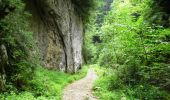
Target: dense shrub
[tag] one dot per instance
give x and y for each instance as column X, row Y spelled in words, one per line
column 110, row 87
column 18, row 41
column 135, row 44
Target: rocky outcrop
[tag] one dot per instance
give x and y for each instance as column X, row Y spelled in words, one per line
column 58, row 29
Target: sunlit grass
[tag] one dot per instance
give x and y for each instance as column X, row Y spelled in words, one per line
column 46, row 85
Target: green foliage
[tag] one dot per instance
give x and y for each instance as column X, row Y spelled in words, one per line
column 46, row 85
column 91, row 48
column 22, row 55
column 135, row 44
column 110, row 87
column 83, row 7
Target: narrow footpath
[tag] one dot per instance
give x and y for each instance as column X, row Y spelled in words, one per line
column 82, row 89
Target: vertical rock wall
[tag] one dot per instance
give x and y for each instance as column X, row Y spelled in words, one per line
column 58, row 30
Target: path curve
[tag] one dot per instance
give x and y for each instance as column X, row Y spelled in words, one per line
column 82, row 89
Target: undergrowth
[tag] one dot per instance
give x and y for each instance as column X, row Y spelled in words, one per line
column 46, row 85
column 110, row 87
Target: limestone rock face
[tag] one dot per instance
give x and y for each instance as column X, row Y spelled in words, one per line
column 58, row 29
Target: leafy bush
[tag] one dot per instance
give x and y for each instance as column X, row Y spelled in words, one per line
column 110, row 87
column 19, row 42
column 147, row 92
column 136, row 46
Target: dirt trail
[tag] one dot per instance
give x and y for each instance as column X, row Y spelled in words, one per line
column 82, row 89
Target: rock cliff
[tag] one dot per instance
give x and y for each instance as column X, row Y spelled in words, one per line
column 58, row 29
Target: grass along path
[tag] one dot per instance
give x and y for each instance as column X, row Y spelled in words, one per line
column 82, row 89
column 46, row 85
